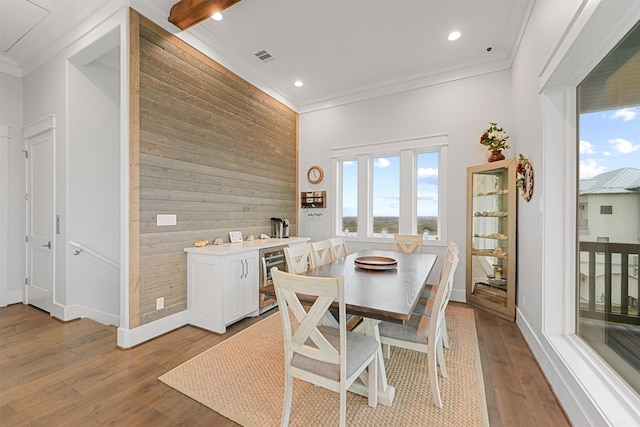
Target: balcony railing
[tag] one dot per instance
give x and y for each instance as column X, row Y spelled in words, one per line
column 601, row 253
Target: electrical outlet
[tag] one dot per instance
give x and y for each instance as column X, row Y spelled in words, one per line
column 159, row 303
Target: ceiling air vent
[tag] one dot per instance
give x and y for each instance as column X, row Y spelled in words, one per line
column 264, row 56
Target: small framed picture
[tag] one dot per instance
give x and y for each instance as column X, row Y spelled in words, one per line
column 235, row 236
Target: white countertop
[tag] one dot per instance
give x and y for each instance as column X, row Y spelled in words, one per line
column 244, row 246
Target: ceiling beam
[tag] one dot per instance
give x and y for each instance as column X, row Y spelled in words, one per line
column 187, row 13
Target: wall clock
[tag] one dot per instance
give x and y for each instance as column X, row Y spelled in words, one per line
column 315, row 174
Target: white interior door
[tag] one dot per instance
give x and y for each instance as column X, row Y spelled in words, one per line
column 41, row 220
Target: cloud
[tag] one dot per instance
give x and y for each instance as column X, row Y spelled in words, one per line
column 625, row 114
column 586, row 147
column 623, row 146
column 381, row 162
column 390, row 196
column 590, row 168
column 429, row 175
column 428, row 196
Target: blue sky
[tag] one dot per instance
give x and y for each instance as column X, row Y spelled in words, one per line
column 609, row 140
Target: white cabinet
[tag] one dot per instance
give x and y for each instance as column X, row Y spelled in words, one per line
column 223, row 281
column 241, row 287
column 221, row 289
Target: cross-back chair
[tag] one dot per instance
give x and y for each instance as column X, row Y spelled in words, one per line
column 299, row 258
column 424, row 307
column 339, row 247
column 407, row 243
column 424, row 334
column 321, row 252
column 324, row 356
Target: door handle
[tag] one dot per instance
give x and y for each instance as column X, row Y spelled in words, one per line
column 48, row 245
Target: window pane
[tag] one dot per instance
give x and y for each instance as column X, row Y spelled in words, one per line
column 386, row 194
column 427, row 195
column 608, row 209
column 349, row 197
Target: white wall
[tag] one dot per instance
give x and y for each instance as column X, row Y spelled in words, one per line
column 12, row 190
column 462, row 109
column 94, row 188
column 84, row 128
column 44, row 94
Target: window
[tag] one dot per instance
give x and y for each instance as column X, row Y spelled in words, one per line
column 427, row 196
column 349, row 191
column 386, row 195
column 609, row 155
column 395, row 187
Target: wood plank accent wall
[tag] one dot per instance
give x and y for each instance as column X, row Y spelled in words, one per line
column 215, row 151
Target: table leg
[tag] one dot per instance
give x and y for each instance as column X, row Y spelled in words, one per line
column 386, row 392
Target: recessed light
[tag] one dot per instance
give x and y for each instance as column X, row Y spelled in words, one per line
column 217, row 16
column 298, row 83
column 454, row 36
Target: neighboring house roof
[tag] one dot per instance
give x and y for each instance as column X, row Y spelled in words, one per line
column 619, row 181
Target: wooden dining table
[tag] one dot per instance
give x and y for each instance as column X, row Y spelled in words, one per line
column 387, row 293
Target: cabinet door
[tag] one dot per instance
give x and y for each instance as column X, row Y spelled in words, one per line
column 234, row 290
column 250, row 286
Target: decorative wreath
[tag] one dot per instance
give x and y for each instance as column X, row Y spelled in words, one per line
column 524, row 177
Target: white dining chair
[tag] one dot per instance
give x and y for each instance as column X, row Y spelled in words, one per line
column 299, row 258
column 423, row 307
column 321, row 252
column 324, row 356
column 407, row 243
column 424, row 334
column 339, row 247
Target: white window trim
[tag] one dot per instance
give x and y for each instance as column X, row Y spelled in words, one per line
column 364, row 154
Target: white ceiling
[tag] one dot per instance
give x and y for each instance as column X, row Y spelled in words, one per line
column 341, row 49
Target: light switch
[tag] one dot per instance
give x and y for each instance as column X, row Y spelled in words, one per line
column 162, row 220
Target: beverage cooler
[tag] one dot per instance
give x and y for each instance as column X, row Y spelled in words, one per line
column 269, row 258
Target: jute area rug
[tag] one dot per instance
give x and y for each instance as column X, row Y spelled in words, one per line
column 242, row 378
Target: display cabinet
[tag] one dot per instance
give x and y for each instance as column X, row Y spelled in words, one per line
column 491, row 237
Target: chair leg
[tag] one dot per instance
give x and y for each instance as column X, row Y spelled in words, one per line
column 386, row 351
column 373, row 382
column 445, row 334
column 343, row 406
column 441, row 361
column 288, row 394
column 433, row 375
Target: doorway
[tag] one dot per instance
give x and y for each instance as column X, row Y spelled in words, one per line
column 40, row 199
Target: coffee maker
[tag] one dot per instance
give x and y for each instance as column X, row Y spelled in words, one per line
column 280, row 228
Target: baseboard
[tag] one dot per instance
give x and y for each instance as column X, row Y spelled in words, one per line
column 458, row 295
column 12, row 297
column 128, row 338
column 588, row 391
column 77, row 312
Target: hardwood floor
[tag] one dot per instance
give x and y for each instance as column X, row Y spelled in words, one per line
column 58, row 374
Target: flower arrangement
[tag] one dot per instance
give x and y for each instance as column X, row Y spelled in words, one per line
column 494, row 138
